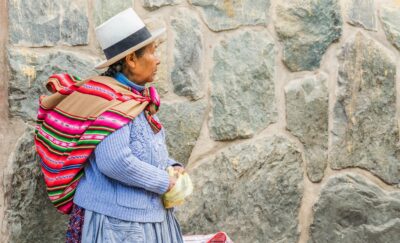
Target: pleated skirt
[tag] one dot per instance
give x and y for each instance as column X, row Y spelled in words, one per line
column 99, row 228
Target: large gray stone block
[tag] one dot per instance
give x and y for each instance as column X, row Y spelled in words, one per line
column 251, row 190
column 225, row 15
column 362, row 13
column 307, row 118
column 188, row 55
column 30, row 71
column 390, row 17
column 307, row 28
column 243, row 89
column 48, row 22
column 365, row 129
column 30, row 216
column 105, row 9
column 155, row 4
column 182, row 122
column 354, row 210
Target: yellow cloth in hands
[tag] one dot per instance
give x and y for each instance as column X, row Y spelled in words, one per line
column 182, row 188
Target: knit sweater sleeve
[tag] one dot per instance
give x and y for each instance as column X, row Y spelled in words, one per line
column 115, row 159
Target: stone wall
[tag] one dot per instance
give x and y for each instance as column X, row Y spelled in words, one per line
column 285, row 112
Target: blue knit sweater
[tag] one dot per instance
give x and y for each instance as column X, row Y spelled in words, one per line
column 126, row 174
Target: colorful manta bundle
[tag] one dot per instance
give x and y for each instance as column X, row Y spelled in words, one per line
column 76, row 118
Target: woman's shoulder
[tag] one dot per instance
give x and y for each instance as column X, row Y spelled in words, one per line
column 139, row 125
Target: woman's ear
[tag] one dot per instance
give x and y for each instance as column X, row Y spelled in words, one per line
column 130, row 60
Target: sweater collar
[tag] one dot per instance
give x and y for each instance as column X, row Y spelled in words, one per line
column 125, row 81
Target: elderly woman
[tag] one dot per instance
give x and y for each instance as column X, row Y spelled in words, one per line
column 126, row 175
column 119, row 197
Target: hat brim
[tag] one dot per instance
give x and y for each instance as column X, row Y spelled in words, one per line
column 154, row 35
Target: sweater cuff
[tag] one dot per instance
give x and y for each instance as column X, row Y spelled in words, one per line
column 162, row 186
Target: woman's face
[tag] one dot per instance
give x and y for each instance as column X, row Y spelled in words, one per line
column 144, row 68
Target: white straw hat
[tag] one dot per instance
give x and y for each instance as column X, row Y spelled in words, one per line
column 123, row 34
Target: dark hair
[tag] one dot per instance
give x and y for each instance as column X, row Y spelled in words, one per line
column 119, row 65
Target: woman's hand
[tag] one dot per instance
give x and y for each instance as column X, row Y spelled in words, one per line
column 179, row 169
column 172, row 182
column 174, row 176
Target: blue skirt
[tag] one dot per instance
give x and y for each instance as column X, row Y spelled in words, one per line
column 99, row 228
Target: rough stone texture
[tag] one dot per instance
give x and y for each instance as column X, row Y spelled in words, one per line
column 306, row 29
column 30, row 71
column 29, row 213
column 365, row 132
column 227, row 14
column 251, row 190
column 155, row 4
column 353, row 210
column 182, row 122
column 188, row 55
column 390, row 19
column 105, row 9
column 242, row 92
column 362, row 13
column 48, row 22
column 307, row 119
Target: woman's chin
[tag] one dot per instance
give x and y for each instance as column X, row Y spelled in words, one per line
column 150, row 80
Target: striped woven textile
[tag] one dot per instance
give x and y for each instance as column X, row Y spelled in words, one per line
column 77, row 117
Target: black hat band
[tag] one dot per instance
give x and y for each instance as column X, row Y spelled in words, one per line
column 127, row 43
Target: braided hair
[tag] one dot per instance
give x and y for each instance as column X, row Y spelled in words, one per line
column 119, row 65
column 114, row 68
